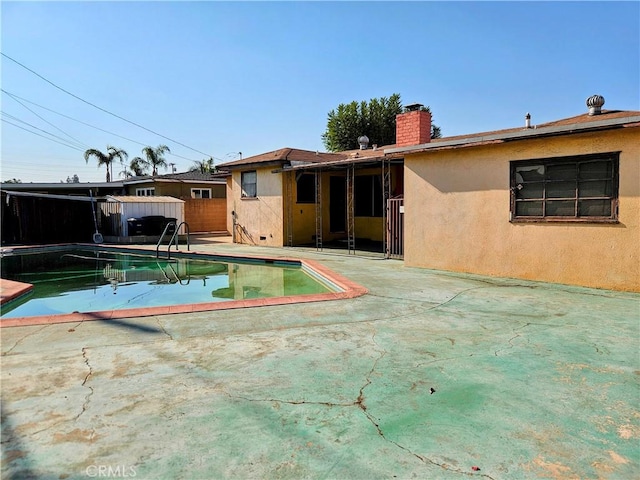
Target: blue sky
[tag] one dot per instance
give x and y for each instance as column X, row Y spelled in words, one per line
column 228, row 77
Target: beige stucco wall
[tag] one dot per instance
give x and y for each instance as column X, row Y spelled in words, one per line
column 258, row 220
column 304, row 214
column 457, row 216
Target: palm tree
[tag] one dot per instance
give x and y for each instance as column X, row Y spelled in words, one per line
column 136, row 168
column 106, row 158
column 154, row 158
column 203, row 166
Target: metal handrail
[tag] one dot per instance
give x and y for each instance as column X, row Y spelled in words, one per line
column 174, row 237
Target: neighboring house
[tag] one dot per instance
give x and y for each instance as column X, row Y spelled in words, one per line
column 558, row 202
column 204, row 194
column 40, row 212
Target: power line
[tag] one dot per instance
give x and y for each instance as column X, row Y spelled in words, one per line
column 100, row 108
column 13, row 117
column 46, row 121
column 35, row 133
column 15, row 97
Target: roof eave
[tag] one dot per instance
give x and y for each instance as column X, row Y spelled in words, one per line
column 254, row 165
column 520, row 135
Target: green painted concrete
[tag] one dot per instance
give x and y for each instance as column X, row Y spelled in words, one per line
column 530, row 380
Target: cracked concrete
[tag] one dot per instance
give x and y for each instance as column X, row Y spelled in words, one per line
column 84, row 383
column 428, row 376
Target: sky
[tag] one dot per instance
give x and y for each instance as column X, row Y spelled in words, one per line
column 210, row 78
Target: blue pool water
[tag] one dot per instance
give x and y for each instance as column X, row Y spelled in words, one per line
column 91, row 280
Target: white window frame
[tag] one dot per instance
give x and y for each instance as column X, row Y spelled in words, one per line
column 249, row 184
column 197, row 193
column 146, row 192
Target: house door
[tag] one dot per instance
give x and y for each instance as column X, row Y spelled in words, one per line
column 337, row 204
column 395, row 228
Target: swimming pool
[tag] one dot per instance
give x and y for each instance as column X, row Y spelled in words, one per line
column 88, row 282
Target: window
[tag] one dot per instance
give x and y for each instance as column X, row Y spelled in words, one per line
column 367, row 196
column 145, row 192
column 306, row 188
column 581, row 188
column 249, row 184
column 200, row 193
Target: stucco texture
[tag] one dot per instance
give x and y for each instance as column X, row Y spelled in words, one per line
column 259, row 219
column 457, row 215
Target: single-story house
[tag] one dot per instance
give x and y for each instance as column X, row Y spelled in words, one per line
column 296, row 197
column 557, row 202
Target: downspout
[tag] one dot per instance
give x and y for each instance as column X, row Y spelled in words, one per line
column 233, row 223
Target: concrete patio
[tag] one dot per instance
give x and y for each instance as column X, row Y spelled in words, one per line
column 431, row 375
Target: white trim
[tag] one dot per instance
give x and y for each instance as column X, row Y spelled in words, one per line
column 148, row 192
column 199, row 189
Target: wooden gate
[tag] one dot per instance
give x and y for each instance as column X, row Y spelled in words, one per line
column 395, row 228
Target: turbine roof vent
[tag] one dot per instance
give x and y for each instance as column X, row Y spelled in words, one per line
column 595, row 103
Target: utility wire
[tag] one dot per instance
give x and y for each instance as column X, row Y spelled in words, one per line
column 16, row 119
column 16, row 97
column 35, row 133
column 49, row 123
column 100, row 108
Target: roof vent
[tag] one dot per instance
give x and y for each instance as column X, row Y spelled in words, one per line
column 527, row 120
column 595, row 103
column 364, row 142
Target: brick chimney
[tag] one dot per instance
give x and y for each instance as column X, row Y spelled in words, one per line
column 413, row 127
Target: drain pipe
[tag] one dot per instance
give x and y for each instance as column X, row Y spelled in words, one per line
column 233, row 226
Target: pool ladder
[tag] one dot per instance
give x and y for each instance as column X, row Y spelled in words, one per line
column 174, row 237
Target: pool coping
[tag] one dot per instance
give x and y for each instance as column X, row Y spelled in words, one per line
column 349, row 289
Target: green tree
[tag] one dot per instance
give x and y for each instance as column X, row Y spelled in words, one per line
column 154, row 158
column 14, row 180
column 73, row 179
column 436, row 132
column 203, row 166
column 376, row 119
column 136, row 168
column 106, row 159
